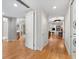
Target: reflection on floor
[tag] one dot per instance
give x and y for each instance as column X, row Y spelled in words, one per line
column 16, row 50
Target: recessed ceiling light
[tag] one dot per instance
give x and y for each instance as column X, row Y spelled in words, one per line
column 54, row 7
column 15, row 5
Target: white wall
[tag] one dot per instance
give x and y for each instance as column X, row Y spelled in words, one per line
column 12, row 29
column 5, row 28
column 9, row 28
column 67, row 30
column 29, row 30
column 70, row 32
column 73, row 29
column 41, row 30
column 36, row 30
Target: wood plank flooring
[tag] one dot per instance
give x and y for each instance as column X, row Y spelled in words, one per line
column 16, row 50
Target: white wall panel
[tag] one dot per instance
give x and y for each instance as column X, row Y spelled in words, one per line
column 36, row 30
column 5, row 28
column 73, row 29
column 41, row 30
column 70, row 30
column 67, row 30
column 29, row 30
column 12, row 29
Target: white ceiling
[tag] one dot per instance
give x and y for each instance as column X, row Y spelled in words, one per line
column 56, row 18
column 9, row 10
column 46, row 5
column 52, row 21
column 59, row 23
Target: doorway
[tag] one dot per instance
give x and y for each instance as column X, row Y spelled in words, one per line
column 56, row 28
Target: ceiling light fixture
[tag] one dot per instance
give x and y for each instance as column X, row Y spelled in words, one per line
column 54, row 7
column 15, row 5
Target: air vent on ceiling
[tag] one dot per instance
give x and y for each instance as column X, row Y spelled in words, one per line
column 57, row 20
column 20, row 1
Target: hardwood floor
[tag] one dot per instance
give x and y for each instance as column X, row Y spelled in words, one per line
column 16, row 50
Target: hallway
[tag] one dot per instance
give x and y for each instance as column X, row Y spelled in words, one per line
column 16, row 50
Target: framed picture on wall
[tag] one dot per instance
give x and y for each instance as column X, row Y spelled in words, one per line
column 58, row 28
